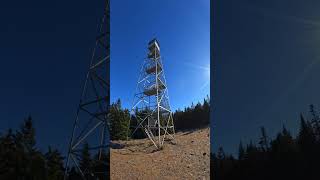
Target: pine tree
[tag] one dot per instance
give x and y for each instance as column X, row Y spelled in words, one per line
column 206, row 110
column 119, row 124
column 220, row 158
column 221, row 154
column 306, row 137
column 315, row 121
column 264, row 140
column 19, row 157
column 31, row 163
column 193, row 117
column 86, row 161
column 54, row 162
column 101, row 164
column 74, row 174
column 241, row 154
column 27, row 135
column 8, row 158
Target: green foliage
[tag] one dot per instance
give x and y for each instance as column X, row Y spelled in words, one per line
column 194, row 117
column 263, row 140
column 86, row 161
column 136, row 119
column 21, row 160
column 92, row 166
column 27, row 135
column 138, row 133
column 102, row 165
column 54, row 161
column 241, row 154
column 283, row 157
column 119, row 122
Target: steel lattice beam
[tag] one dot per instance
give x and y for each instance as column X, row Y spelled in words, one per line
column 91, row 124
column 151, row 109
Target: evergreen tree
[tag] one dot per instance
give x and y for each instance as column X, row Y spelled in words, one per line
column 28, row 135
column 119, row 121
column 221, row 154
column 8, row 158
column 101, row 164
column 241, row 154
column 19, row 157
column 31, row 163
column 86, row 161
column 54, row 161
column 74, row 174
column 286, row 158
column 264, row 140
column 315, row 121
column 193, row 117
column 306, row 138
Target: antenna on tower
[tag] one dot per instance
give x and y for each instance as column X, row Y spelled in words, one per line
column 151, row 112
column 90, row 134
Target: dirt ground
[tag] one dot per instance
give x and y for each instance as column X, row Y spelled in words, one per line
column 187, row 157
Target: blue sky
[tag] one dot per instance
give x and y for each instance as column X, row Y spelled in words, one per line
column 46, row 49
column 182, row 28
column 45, row 53
column 267, row 68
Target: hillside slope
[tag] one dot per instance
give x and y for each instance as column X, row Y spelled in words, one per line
column 188, row 157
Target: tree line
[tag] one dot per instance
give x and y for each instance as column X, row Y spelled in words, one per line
column 281, row 157
column 193, row 117
column 122, row 122
column 20, row 159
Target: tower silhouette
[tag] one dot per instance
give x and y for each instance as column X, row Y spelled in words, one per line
column 151, row 112
column 88, row 151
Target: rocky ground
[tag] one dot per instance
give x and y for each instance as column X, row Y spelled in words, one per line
column 187, row 157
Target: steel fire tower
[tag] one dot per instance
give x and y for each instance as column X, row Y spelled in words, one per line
column 90, row 130
column 151, row 111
